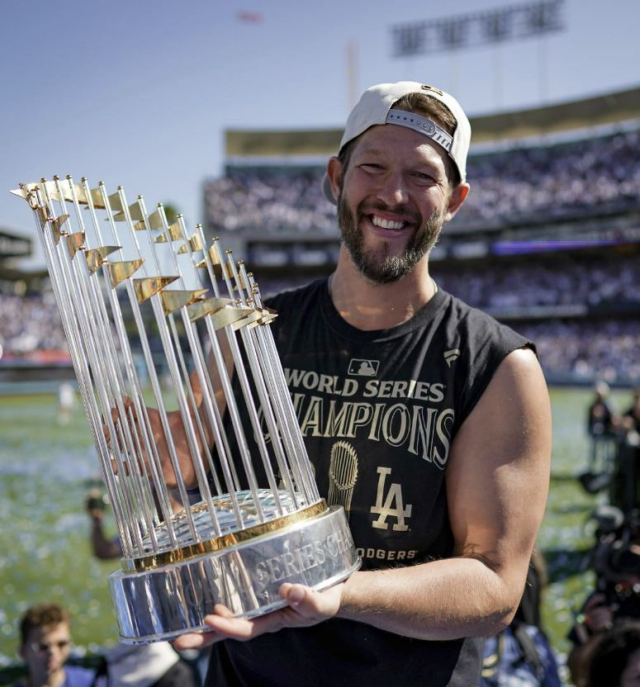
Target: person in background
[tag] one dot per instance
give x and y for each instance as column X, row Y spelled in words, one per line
column 521, row 654
column 150, row 665
column 631, row 416
column 601, row 423
column 615, row 659
column 45, row 645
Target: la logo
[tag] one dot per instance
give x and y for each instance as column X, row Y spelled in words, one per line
column 391, row 505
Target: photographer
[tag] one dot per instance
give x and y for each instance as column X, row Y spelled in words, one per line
column 615, row 660
column 601, row 427
column 616, row 598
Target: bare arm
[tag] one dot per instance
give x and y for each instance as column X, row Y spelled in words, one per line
column 103, row 548
column 497, row 483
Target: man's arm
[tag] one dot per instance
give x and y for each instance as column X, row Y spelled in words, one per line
column 103, row 548
column 497, row 484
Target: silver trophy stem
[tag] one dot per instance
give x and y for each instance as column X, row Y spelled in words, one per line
column 125, row 348
column 274, row 393
column 209, row 402
column 109, row 382
column 176, row 379
column 88, row 346
column 262, row 394
column 153, row 376
column 287, row 410
column 246, row 390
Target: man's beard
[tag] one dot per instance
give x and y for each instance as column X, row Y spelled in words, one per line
column 386, row 269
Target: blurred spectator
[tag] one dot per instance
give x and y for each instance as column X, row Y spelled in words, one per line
column 45, row 635
column 601, row 427
column 521, row 654
column 615, row 659
column 147, row 665
column 615, row 560
column 66, row 402
column 631, row 416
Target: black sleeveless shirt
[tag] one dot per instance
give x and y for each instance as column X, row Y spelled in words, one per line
column 378, row 411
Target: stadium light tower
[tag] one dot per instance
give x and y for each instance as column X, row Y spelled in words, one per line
column 490, row 27
column 352, row 75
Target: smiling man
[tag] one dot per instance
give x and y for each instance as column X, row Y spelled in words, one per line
column 434, row 433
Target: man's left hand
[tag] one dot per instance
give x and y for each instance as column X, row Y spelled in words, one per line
column 305, row 607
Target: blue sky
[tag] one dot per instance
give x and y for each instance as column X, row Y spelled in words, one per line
column 139, row 92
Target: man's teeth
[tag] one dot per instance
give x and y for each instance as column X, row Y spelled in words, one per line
column 386, row 223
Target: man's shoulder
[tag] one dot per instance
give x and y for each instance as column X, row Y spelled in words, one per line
column 296, row 295
column 480, row 324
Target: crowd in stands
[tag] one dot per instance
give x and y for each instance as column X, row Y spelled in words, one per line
column 28, row 324
column 560, row 179
column 554, row 281
column 582, row 347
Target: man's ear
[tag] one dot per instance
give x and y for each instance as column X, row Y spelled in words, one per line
column 334, row 174
column 458, row 196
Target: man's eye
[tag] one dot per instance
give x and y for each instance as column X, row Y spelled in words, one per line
column 370, row 166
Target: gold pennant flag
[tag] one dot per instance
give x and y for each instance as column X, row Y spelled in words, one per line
column 115, row 203
column 136, row 211
column 266, row 317
column 58, row 222
column 207, row 306
column 175, row 232
column 98, row 256
column 68, row 189
column 175, row 299
column 75, row 242
column 195, row 243
column 230, row 315
column 149, row 286
column 249, row 318
column 214, row 254
column 119, row 271
column 155, row 220
column 97, row 198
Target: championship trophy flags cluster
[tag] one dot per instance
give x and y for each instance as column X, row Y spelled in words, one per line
column 124, row 278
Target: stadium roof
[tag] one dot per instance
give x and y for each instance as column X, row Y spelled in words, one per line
column 605, row 109
column 14, row 245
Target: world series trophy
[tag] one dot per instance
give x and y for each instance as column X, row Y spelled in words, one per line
column 124, row 278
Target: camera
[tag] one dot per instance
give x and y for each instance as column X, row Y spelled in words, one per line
column 96, row 500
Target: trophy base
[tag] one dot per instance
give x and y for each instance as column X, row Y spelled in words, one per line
column 164, row 602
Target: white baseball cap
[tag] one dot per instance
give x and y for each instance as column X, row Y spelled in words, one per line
column 376, row 107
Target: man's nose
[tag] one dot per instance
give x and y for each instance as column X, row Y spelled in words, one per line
column 393, row 190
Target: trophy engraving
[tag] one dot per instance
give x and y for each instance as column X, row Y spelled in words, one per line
column 142, row 301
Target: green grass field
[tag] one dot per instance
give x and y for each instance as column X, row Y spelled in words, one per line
column 46, row 469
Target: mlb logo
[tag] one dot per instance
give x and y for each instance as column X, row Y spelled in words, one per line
column 363, row 368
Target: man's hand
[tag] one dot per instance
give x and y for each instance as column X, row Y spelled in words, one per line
column 306, row 607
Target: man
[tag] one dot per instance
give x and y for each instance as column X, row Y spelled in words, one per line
column 447, row 423
column 45, row 645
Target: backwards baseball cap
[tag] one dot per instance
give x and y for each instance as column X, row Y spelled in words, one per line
column 376, row 107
